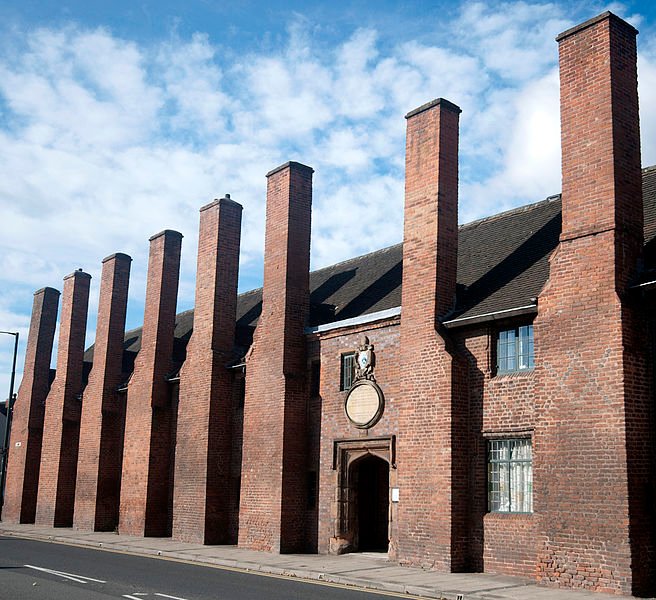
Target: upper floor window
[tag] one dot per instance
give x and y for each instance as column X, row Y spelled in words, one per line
column 515, row 349
column 348, row 371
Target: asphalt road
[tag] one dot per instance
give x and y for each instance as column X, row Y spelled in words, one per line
column 41, row 570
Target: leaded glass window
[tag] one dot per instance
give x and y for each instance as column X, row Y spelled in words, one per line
column 510, row 476
column 348, row 371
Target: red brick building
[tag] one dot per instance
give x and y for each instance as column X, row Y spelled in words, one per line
column 477, row 398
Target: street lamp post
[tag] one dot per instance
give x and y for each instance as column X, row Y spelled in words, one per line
column 10, row 406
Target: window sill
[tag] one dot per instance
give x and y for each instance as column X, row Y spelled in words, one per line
column 513, row 374
column 499, row 515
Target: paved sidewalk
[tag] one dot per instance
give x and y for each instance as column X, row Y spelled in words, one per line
column 365, row 570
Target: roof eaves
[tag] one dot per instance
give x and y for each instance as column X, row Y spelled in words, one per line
column 352, row 322
column 529, row 309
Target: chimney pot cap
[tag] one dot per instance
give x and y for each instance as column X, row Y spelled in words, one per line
column 78, row 273
column 117, row 255
column 291, row 165
column 437, row 102
column 225, row 201
column 590, row 22
column 47, row 290
column 169, row 233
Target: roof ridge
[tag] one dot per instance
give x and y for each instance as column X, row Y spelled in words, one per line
column 356, row 258
column 475, row 223
column 511, row 211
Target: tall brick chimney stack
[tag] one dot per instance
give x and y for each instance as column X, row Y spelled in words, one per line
column 29, row 410
column 272, row 501
column 201, row 502
column 101, row 427
column 430, row 231
column 58, row 471
column 144, row 506
column 602, row 182
column 428, row 416
column 593, row 441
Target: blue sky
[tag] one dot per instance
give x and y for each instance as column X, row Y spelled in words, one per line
column 120, row 119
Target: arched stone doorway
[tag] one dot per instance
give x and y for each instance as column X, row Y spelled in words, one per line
column 364, row 470
column 370, row 489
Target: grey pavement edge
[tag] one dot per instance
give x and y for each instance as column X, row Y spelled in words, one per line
column 370, row 571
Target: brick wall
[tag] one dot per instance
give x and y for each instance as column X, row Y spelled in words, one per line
column 61, row 427
column 273, row 486
column 236, row 430
column 500, row 406
column 334, row 424
column 27, row 424
column 592, row 440
column 431, row 486
column 150, row 414
column 101, row 427
column 202, row 499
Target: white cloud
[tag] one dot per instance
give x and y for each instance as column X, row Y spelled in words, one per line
column 529, row 161
column 192, row 81
column 514, row 40
column 647, row 98
column 80, row 90
column 355, row 90
column 105, row 141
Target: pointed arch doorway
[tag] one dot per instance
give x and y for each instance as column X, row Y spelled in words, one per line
column 362, row 521
column 370, row 482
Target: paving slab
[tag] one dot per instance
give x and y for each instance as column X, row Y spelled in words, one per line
column 372, row 571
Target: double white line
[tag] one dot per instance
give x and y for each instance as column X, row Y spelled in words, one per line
column 129, row 597
column 84, row 579
column 71, row 576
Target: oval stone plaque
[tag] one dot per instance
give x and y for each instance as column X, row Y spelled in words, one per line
column 364, row 404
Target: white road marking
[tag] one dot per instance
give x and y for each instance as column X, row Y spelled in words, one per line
column 131, row 597
column 172, row 597
column 71, row 576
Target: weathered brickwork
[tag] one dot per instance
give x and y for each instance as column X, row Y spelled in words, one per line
column 202, row 502
column 500, row 406
column 242, row 435
column 145, row 484
column 101, row 428
column 273, row 482
column 429, row 524
column 333, row 534
column 56, row 495
column 27, row 424
column 588, row 413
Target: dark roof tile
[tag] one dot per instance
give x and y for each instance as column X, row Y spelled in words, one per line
column 503, row 262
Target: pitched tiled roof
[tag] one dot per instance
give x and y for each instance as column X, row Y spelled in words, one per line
column 649, row 199
column 503, row 262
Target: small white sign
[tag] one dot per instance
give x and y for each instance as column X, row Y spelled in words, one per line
column 395, row 494
column 19, row 444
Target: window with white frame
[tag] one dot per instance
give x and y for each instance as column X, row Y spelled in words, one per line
column 515, row 349
column 510, row 476
column 348, row 371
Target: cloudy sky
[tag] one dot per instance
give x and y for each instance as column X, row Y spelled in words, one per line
column 120, row 119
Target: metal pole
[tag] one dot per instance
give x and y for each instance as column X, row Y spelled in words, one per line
column 10, row 406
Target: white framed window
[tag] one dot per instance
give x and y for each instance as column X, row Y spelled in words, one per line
column 510, row 475
column 515, row 349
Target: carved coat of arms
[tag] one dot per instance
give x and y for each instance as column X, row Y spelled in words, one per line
column 365, row 403
column 365, row 360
